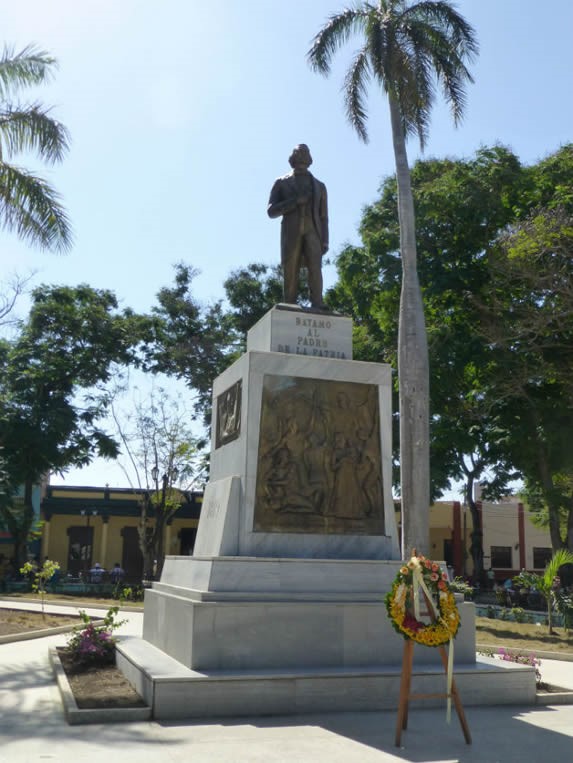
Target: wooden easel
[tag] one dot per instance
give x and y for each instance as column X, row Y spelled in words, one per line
column 405, row 696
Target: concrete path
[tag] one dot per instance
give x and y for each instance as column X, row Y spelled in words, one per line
column 32, row 728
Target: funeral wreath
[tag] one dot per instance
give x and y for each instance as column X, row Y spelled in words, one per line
column 423, row 577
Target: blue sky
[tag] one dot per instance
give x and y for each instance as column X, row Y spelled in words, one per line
column 183, row 112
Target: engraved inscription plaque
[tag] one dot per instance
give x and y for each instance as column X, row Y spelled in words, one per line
column 319, row 462
column 229, row 415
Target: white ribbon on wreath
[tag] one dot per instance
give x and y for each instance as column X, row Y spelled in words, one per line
column 417, row 584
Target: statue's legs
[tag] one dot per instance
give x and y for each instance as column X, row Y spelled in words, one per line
column 312, row 249
column 304, row 249
column 290, row 260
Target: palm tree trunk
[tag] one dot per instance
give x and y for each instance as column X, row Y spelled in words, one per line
column 413, row 365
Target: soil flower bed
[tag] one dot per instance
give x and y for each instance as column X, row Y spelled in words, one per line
column 93, row 687
column 89, row 662
column 14, row 621
column 98, row 686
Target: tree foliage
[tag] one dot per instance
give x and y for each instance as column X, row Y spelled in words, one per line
column 163, row 458
column 252, row 291
column 188, row 340
column 495, row 272
column 529, row 324
column 547, row 584
column 52, row 390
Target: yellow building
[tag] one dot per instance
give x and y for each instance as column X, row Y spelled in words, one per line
column 85, row 525
column 511, row 542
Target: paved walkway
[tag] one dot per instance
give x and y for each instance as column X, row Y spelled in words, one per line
column 33, row 729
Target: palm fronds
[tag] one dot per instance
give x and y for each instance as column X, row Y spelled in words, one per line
column 408, row 49
column 29, row 206
column 31, row 66
column 32, row 209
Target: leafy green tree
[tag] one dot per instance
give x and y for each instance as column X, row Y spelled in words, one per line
column 252, row 291
column 29, row 206
column 163, row 458
column 547, row 584
column 528, row 322
column 461, row 207
column 188, row 340
column 495, row 272
column 408, row 47
column 52, row 391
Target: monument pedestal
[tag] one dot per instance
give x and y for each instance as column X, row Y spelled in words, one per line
column 281, row 608
column 241, row 613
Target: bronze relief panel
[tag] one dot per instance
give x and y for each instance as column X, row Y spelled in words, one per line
column 319, row 461
column 229, row 414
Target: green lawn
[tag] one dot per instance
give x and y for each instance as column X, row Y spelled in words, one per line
column 526, row 636
column 76, row 601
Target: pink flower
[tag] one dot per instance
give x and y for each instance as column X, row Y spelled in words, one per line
column 434, row 576
column 428, row 564
column 445, row 576
column 442, row 586
column 435, row 567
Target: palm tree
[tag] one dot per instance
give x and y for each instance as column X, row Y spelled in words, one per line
column 547, row 584
column 408, row 48
column 29, row 206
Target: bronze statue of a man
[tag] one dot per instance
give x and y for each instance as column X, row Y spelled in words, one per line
column 301, row 201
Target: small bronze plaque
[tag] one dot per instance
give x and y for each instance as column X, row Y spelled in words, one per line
column 319, row 464
column 229, row 414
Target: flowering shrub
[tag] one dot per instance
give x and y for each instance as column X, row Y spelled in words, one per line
column 94, row 644
column 522, row 659
column 459, row 585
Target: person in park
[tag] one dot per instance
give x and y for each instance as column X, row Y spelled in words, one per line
column 117, row 574
column 96, row 573
column 301, row 200
column 490, row 578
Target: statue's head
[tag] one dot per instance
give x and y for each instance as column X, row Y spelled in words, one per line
column 300, row 156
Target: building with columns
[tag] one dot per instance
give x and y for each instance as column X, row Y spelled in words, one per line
column 85, row 525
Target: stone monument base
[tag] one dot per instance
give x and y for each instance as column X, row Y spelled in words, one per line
column 279, row 614
column 230, row 636
column 175, row 692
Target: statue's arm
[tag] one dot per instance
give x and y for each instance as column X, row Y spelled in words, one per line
column 279, row 205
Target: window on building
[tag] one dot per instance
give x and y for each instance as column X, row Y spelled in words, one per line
column 187, row 536
column 80, row 548
column 541, row 557
column 131, row 558
column 501, row 557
